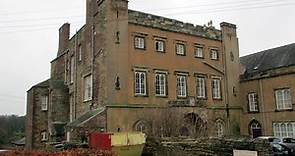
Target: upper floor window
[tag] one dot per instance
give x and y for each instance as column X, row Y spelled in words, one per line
column 80, row 52
column 253, row 102
column 161, row 84
column 140, row 83
column 44, row 103
column 216, row 88
column 214, row 54
column 139, row 42
column 72, row 72
column 88, row 88
column 181, row 86
column 180, row 49
column 201, row 87
column 283, row 99
column 199, row 52
column 160, row 46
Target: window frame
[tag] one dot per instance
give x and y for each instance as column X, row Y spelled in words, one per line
column 196, row 51
column 219, row 87
column 204, row 88
column 88, row 88
column 283, row 106
column 177, row 46
column 80, row 52
column 137, row 44
column 163, row 46
column 140, row 83
column 72, row 69
column 211, row 54
column 44, row 106
column 183, row 88
column 163, row 88
column 220, row 128
column 251, row 105
column 283, row 129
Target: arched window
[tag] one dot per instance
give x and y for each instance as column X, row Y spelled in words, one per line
column 284, row 130
column 141, row 126
column 277, row 131
column 219, row 128
column 255, row 129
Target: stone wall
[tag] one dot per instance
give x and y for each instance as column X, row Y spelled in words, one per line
column 204, row 147
column 148, row 20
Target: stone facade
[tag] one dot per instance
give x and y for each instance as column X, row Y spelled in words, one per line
column 264, row 85
column 96, row 69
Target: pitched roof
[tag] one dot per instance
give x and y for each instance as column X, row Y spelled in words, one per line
column 279, row 57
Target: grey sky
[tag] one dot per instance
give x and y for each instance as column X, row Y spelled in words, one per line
column 29, row 33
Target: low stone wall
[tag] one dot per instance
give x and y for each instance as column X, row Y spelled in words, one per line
column 203, row 147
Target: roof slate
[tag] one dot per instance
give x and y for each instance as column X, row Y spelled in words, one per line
column 279, row 57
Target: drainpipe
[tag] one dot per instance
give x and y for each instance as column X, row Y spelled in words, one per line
column 92, row 64
column 76, row 76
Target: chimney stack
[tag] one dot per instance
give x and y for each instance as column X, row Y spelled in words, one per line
column 64, row 35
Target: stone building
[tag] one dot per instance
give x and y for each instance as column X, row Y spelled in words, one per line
column 126, row 70
column 267, row 89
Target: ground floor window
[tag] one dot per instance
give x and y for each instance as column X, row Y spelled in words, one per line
column 219, row 128
column 284, row 129
column 141, row 126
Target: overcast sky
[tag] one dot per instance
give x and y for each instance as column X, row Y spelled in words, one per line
column 29, row 33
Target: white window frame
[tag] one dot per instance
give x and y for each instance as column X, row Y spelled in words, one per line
column 44, row 136
column 160, row 84
column 284, row 129
column 201, row 87
column 72, row 68
column 214, row 54
column 283, row 99
column 139, row 42
column 180, row 48
column 253, row 102
column 160, row 45
column 140, row 82
column 216, row 88
column 88, row 88
column 44, row 102
column 181, row 86
column 199, row 52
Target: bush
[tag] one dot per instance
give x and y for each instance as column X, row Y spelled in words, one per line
column 76, row 152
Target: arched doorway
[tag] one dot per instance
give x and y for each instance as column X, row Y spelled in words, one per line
column 255, row 129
